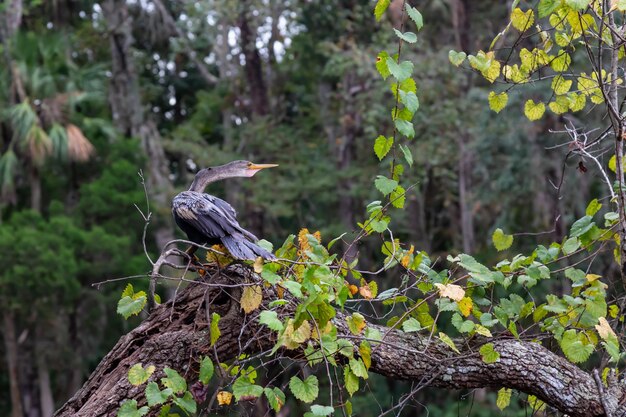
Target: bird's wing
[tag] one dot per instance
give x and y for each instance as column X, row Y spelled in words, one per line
column 211, row 216
column 230, row 213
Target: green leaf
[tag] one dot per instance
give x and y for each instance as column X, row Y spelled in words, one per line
column 322, row 410
column 522, row 20
column 137, row 375
column 379, row 226
column 381, row 65
column 275, row 397
column 129, row 306
column 570, row 246
column 561, row 62
column 407, row 154
column 575, row 346
column 155, row 396
column 271, row 320
column 488, row 354
column 456, row 58
column 463, row 326
column 129, row 409
column 293, row 287
column 410, row 100
column 244, row 388
column 350, row 380
column 534, row 111
column 415, row 16
column 381, row 7
column 409, row 37
column 411, row 325
column 398, row 197
column 405, row 127
column 593, row 207
column 206, row 370
column 501, row 241
column 356, row 323
column 385, row 185
column 400, row 71
column 215, row 330
column 186, row 403
column 306, row 390
column 560, row 85
column 382, row 146
column 497, row 102
column 174, row 381
column 546, row 7
column 578, row 5
column 365, row 352
column 358, row 368
column 582, row 226
column 504, row 398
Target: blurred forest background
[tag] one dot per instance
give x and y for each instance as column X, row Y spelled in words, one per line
column 93, row 92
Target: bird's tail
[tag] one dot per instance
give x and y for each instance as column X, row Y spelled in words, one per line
column 242, row 248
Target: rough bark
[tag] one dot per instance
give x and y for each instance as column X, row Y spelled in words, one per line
column 177, row 335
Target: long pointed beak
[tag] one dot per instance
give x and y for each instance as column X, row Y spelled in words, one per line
column 262, row 166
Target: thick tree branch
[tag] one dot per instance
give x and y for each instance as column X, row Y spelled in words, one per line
column 176, row 335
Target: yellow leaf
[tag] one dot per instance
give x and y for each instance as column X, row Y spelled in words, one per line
column 522, row 20
column 451, row 291
column 480, row 329
column 353, row 289
column 604, row 329
column 291, row 339
column 303, row 242
column 534, row 111
column 593, row 277
column 497, row 101
column 224, row 398
column 251, row 298
column 258, row 265
column 365, row 292
column 465, row 305
column 221, row 260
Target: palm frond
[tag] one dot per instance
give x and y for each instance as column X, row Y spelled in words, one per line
column 39, row 145
column 78, row 146
column 59, row 139
column 23, row 119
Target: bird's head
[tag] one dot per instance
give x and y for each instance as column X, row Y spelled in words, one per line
column 244, row 168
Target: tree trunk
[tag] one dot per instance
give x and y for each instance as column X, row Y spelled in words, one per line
column 10, row 345
column 45, row 391
column 461, row 25
column 465, row 173
column 254, row 65
column 177, row 336
column 34, row 180
column 129, row 115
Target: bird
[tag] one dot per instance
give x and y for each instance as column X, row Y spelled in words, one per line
column 209, row 220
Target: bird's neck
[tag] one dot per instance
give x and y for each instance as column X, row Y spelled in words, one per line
column 205, row 178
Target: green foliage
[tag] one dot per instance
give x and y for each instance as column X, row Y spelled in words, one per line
column 174, row 381
column 488, row 354
column 206, row 370
column 137, row 374
column 500, row 240
column 131, row 303
column 129, row 409
column 307, row 390
column 215, row 330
